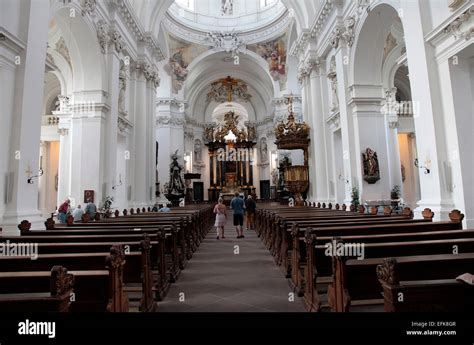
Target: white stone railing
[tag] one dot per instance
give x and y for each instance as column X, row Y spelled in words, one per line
column 243, row 22
column 49, row 120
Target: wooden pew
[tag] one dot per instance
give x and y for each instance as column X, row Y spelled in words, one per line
column 440, row 295
column 58, row 282
column 298, row 258
column 133, row 268
column 320, row 266
column 175, row 250
column 163, row 254
column 355, row 282
column 91, row 288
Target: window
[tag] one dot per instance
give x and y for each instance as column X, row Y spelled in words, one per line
column 188, row 4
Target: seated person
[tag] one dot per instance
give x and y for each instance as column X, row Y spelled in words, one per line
column 78, row 213
column 164, row 208
column 91, row 209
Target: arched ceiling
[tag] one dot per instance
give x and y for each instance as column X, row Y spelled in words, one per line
column 211, row 67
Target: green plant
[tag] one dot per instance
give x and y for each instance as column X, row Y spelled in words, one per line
column 107, row 205
column 355, row 197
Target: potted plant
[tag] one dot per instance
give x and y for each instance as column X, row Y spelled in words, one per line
column 106, row 209
column 395, row 195
column 355, row 198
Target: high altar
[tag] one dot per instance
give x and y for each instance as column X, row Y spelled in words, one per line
column 231, row 158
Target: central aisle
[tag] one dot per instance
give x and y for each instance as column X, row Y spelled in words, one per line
column 231, row 275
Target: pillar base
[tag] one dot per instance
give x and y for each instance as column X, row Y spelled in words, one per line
column 12, row 219
column 441, row 209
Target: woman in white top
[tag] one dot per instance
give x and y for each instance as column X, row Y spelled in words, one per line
column 221, row 216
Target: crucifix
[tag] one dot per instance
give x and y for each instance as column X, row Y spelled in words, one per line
column 229, row 83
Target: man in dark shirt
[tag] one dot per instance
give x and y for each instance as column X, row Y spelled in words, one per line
column 238, row 206
column 250, row 207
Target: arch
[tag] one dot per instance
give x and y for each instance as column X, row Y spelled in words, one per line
column 80, row 35
column 203, row 71
column 370, row 36
column 52, row 89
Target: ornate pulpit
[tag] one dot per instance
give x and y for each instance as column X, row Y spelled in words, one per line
column 291, row 135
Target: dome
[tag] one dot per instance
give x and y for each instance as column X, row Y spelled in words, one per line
column 226, row 15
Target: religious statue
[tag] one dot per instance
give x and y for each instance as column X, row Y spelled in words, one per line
column 251, row 132
column 57, row 105
column 122, row 89
column 275, row 177
column 209, row 132
column 176, row 184
column 284, row 163
column 263, row 150
column 197, row 150
column 371, row 166
column 332, row 75
column 227, row 7
column 179, row 68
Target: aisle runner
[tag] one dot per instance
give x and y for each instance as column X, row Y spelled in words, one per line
column 231, row 275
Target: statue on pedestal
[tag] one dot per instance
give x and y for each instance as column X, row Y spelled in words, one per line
column 176, row 184
column 197, row 150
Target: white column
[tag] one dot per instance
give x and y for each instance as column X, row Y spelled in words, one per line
column 370, row 131
column 87, row 150
column 426, row 95
column 64, row 168
column 457, row 94
column 395, row 168
column 151, row 142
column 26, row 129
column 140, row 148
column 308, row 117
column 318, row 141
column 347, row 127
column 111, row 121
column 389, row 110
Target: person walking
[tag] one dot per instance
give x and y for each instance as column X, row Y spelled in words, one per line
column 63, row 210
column 238, row 206
column 250, row 207
column 221, row 217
